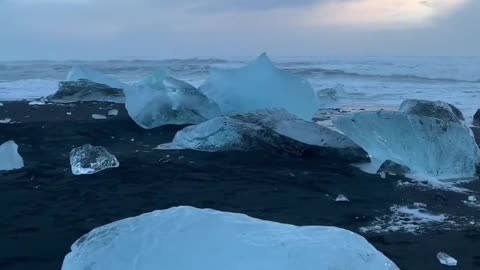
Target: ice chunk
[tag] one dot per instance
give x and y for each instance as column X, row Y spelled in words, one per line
column 393, row 168
column 431, row 146
column 260, row 85
column 342, row 198
column 162, row 100
column 10, row 159
column 186, row 238
column 5, row 121
column 79, row 73
column 1, row 104
column 476, row 118
column 85, row 90
column 435, row 109
column 89, row 159
column 328, row 97
column 113, row 112
column 446, row 259
column 272, row 129
column 99, row 116
column 37, row 102
column 225, row 134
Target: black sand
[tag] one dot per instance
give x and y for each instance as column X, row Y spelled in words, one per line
column 45, row 208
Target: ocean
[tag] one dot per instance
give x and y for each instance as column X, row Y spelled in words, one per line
column 359, row 82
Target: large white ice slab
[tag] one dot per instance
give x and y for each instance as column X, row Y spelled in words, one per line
column 186, row 238
column 426, row 145
column 10, row 159
column 260, row 85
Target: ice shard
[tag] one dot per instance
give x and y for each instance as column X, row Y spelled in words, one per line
column 430, row 146
column 89, row 159
column 162, row 100
column 186, row 238
column 260, row 85
column 10, row 159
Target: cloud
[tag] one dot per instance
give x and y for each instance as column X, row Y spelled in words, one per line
column 222, row 28
column 383, row 14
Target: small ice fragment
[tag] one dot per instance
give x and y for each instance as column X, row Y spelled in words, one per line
column 36, row 102
column 421, row 205
column 132, row 139
column 342, row 198
column 383, row 175
column 5, row 121
column 10, row 159
column 445, row 259
column 89, row 159
column 113, row 112
column 69, row 113
column 1, row 104
column 99, row 117
column 472, row 199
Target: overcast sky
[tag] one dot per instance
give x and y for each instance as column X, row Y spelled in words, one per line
column 118, row 29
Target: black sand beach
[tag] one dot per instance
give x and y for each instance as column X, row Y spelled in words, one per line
column 45, row 208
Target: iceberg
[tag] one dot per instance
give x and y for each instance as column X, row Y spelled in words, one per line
column 435, row 109
column 10, row 159
column 262, row 130
column 162, row 100
column 427, row 146
column 86, row 90
column 89, row 159
column 260, row 85
column 186, row 238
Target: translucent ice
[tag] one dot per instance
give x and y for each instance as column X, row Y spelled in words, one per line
column 10, row 159
column 260, row 85
column 86, row 90
column 258, row 130
column 436, row 109
column 78, row 73
column 186, row 238
column 342, row 198
column 113, row 112
column 161, row 100
column 446, row 259
column 99, row 117
column 430, row 146
column 89, row 159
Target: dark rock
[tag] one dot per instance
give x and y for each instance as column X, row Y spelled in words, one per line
column 391, row 167
column 85, row 90
column 435, row 109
